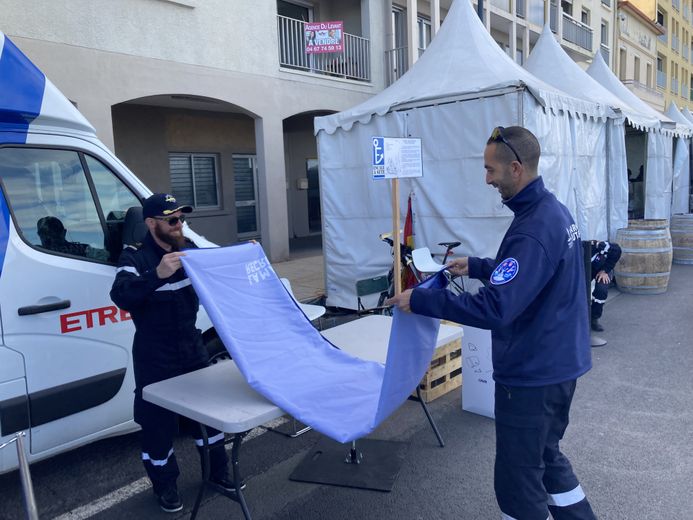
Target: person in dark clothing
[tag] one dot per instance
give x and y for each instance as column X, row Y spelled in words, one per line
column 152, row 286
column 536, row 309
column 604, row 258
column 52, row 233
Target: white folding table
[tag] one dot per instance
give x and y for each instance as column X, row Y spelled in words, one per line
column 216, row 396
column 368, row 338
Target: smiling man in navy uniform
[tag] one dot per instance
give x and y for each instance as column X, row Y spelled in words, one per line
column 536, row 308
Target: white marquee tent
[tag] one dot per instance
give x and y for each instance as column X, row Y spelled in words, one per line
column 601, row 156
column 455, row 94
column 658, row 166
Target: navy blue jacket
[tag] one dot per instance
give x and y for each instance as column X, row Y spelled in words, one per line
column 536, row 303
column 167, row 343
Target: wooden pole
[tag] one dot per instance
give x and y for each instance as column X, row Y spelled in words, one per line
column 397, row 267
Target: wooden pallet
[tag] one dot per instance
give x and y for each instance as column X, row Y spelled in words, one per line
column 445, row 372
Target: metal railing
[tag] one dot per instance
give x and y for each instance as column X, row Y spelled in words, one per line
column 24, row 475
column 353, row 63
column 502, row 4
column 633, row 84
column 397, row 63
column 606, row 53
column 661, row 79
column 521, row 8
column 577, row 32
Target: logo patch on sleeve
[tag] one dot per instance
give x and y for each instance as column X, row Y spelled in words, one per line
column 506, row 271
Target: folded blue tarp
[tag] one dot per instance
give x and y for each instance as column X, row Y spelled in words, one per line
column 284, row 358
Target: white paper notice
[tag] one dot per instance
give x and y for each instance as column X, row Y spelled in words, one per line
column 396, row 157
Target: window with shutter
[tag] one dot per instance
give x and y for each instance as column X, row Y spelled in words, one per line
column 194, row 179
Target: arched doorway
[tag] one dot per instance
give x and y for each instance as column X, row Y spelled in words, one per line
column 303, row 183
column 203, row 151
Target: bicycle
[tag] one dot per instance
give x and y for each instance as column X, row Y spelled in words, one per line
column 406, row 261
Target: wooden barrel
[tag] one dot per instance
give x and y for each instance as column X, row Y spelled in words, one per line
column 645, row 262
column 682, row 238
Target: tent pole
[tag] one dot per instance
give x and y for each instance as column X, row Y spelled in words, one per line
column 397, row 266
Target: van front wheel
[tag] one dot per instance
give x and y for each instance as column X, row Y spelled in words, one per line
column 217, row 351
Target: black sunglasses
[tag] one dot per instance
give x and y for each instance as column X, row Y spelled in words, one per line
column 172, row 221
column 497, row 136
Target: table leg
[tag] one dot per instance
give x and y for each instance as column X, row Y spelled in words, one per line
column 235, row 451
column 235, row 467
column 430, row 418
column 292, row 435
column 205, row 471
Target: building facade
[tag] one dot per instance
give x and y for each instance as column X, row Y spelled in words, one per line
column 673, row 47
column 636, row 57
column 209, row 99
column 214, row 100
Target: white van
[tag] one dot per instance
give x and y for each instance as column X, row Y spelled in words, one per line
column 65, row 362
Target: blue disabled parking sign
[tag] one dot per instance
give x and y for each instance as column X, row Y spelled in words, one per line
column 378, row 158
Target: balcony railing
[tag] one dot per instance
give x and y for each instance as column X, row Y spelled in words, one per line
column 664, row 38
column 397, row 63
column 353, row 63
column 675, row 42
column 606, row 53
column 606, row 3
column 661, row 79
column 577, row 32
column 675, row 85
column 502, row 4
column 521, row 8
column 676, row 4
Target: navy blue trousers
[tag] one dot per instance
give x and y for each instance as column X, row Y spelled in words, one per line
column 159, row 426
column 531, row 475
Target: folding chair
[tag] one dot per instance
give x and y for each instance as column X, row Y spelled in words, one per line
column 379, row 285
column 424, row 264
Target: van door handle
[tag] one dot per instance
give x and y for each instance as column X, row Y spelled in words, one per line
column 38, row 309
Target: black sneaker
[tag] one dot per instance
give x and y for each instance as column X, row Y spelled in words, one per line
column 226, row 483
column 169, row 501
column 596, row 326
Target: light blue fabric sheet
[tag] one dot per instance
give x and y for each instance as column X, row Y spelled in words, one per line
column 284, row 358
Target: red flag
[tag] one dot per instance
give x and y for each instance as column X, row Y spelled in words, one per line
column 408, row 278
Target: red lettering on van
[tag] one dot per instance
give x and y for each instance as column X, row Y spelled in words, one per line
column 74, row 321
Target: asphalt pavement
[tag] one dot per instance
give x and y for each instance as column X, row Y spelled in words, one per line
column 629, row 441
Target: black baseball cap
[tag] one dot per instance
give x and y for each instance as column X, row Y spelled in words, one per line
column 162, row 205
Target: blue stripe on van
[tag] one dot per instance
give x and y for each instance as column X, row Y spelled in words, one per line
column 21, row 89
column 4, row 229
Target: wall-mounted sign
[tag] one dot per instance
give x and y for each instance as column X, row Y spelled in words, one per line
column 396, row 157
column 324, row 37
